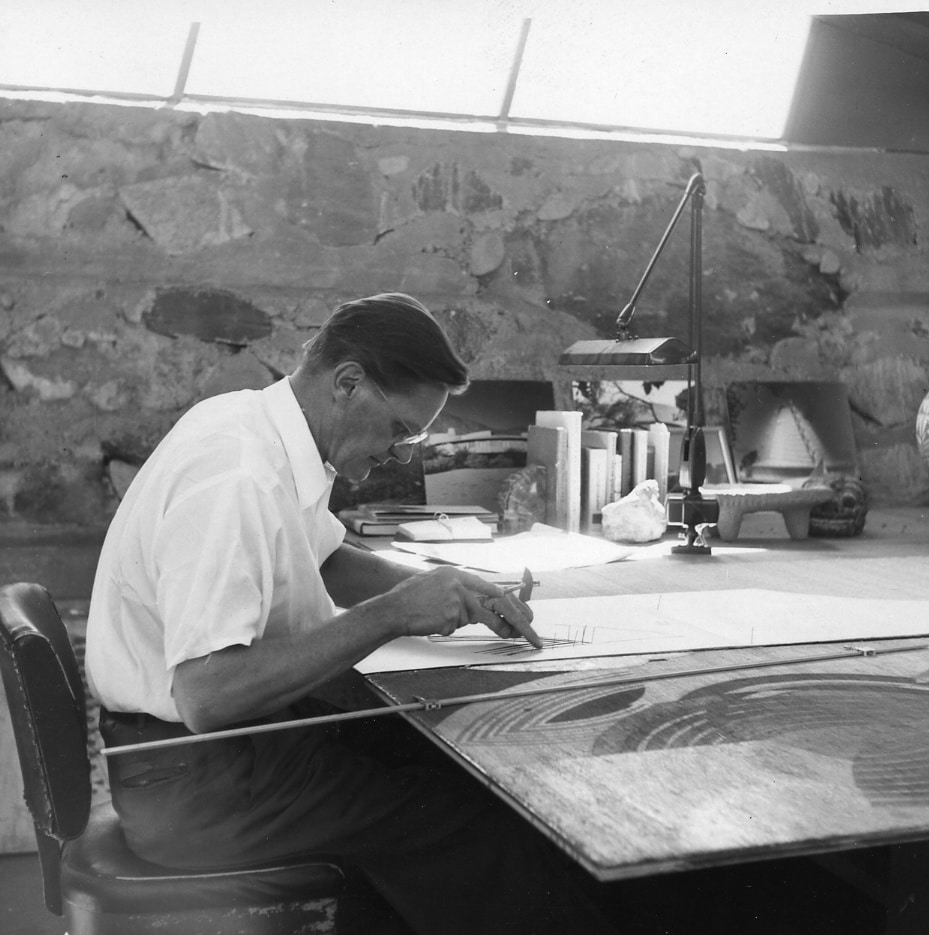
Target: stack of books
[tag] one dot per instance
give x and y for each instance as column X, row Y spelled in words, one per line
column 587, row 469
column 385, row 519
column 582, row 468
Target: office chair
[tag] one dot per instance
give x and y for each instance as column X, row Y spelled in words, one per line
column 89, row 874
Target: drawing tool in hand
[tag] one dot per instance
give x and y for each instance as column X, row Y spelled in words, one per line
column 509, row 586
column 525, row 593
column 513, row 587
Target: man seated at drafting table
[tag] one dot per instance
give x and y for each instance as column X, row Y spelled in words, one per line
column 215, row 604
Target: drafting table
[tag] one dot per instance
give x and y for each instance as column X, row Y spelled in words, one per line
column 692, row 771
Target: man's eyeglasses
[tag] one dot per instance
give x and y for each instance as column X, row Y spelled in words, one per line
column 411, row 438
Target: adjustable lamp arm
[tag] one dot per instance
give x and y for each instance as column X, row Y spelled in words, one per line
column 696, row 189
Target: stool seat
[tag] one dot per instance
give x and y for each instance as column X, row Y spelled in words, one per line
column 100, row 874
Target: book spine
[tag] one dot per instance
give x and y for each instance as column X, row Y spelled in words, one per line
column 625, row 451
column 547, row 446
column 617, row 478
column 593, row 485
column 571, row 423
column 659, row 438
column 639, row 456
column 588, row 492
column 607, row 440
column 365, row 528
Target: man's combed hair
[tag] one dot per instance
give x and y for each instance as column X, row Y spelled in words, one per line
column 395, row 338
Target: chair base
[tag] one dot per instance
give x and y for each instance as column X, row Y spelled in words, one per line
column 309, row 917
column 106, row 889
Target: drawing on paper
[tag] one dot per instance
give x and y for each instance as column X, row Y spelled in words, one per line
column 484, row 644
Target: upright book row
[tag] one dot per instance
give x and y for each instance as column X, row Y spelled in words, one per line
column 586, row 469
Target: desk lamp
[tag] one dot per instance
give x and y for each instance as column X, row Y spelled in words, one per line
column 632, row 358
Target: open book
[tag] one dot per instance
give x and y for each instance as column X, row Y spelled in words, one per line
column 384, row 519
column 446, row 529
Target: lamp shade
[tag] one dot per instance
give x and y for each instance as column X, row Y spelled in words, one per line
column 632, row 359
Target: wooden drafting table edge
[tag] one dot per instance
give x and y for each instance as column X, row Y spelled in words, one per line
column 812, row 848
column 694, row 861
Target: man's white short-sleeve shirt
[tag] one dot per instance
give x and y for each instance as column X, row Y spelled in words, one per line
column 218, row 542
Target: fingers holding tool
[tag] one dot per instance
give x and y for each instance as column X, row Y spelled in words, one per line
column 441, row 601
column 507, row 615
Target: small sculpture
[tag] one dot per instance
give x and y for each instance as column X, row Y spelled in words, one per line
column 522, row 499
column 637, row 517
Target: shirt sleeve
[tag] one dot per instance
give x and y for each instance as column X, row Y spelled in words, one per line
column 214, row 558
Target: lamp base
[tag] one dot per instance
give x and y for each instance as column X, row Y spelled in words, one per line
column 697, row 547
column 697, row 513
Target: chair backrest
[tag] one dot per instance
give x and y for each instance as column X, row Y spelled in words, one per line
column 47, row 709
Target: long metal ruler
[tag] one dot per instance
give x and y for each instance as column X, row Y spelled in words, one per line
column 435, row 704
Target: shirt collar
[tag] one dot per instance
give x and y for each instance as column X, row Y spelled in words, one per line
column 312, row 478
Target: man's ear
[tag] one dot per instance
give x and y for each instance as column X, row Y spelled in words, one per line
column 345, row 379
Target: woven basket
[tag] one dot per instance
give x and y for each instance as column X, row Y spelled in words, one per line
column 843, row 515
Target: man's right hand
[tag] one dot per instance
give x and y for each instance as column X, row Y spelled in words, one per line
column 441, row 601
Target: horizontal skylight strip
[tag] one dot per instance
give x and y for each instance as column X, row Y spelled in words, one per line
column 474, row 123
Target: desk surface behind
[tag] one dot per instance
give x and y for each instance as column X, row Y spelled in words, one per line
column 891, row 558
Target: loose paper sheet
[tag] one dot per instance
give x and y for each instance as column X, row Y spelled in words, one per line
column 543, row 548
column 584, row 627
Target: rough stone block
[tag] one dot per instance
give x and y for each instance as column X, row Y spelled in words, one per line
column 895, row 474
column 888, row 390
column 889, row 325
column 877, row 218
column 487, row 253
column 71, row 492
column 455, row 187
column 184, row 214
column 437, row 232
column 239, row 143
column 23, row 379
column 330, row 192
column 44, row 214
column 763, row 212
column 556, row 207
column 798, row 356
column 360, row 270
column 207, row 314
column 790, row 195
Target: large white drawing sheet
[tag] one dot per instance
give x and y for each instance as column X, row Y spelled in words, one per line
column 653, row 623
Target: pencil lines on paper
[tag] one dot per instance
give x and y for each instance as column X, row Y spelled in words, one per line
column 575, row 636
column 511, row 648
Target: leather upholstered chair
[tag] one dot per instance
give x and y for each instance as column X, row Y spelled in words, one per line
column 89, row 874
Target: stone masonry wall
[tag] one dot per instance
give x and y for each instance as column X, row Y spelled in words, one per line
column 149, row 259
